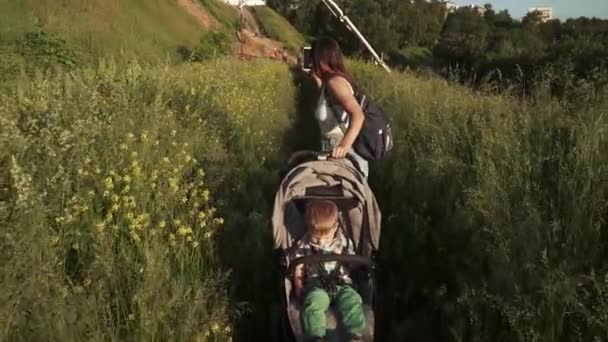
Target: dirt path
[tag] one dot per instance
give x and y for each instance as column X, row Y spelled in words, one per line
column 251, row 23
column 254, row 44
column 195, row 10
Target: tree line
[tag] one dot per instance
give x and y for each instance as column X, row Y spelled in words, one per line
column 481, row 43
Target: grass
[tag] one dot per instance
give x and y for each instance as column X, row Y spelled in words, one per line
column 494, row 209
column 151, row 30
column 277, row 27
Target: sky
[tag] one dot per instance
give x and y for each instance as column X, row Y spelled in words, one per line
column 562, row 9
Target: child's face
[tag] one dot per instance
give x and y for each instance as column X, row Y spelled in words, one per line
column 323, row 233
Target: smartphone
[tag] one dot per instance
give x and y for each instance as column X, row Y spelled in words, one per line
column 307, row 58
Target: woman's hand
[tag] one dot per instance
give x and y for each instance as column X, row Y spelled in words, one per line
column 315, row 78
column 340, row 152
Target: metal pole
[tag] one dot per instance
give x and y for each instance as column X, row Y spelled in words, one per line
column 337, row 12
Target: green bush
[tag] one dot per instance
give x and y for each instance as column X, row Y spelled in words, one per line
column 213, row 44
column 43, row 50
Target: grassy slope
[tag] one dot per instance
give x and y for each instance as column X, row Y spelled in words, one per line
column 277, row 27
column 225, row 14
column 149, row 29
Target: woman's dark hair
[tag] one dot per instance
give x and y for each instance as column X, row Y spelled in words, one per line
column 327, row 51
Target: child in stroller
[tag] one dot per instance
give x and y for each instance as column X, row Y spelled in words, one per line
column 326, row 282
column 308, row 179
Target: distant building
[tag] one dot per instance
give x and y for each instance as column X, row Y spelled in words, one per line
column 545, row 13
column 246, row 2
column 450, row 5
column 480, row 10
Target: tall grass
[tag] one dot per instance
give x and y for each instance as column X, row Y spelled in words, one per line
column 494, row 208
column 495, row 214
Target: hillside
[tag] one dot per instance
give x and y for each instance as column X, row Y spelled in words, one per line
column 277, row 27
column 72, row 31
column 148, row 29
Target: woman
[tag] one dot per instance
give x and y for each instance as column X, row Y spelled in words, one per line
column 337, row 102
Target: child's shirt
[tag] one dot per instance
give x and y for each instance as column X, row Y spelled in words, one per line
column 306, row 246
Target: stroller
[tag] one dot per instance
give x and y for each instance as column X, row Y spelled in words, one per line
column 312, row 176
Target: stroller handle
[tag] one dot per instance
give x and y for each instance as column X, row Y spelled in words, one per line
column 356, row 260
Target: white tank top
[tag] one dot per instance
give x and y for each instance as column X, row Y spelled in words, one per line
column 327, row 116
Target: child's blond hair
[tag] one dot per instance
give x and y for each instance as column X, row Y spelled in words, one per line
column 321, row 216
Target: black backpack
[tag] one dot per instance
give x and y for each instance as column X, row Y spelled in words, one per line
column 375, row 140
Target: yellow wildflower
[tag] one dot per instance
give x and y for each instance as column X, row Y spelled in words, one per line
column 183, row 231
column 135, row 236
column 109, row 183
column 162, row 224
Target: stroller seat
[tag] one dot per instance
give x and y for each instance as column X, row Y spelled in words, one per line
column 334, row 330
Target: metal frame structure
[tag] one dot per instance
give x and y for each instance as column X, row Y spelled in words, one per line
column 337, row 12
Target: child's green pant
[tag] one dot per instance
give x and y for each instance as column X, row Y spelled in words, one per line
column 347, row 302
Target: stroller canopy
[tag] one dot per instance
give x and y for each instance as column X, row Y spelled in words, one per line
column 337, row 180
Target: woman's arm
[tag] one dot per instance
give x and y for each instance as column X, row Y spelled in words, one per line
column 341, row 92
